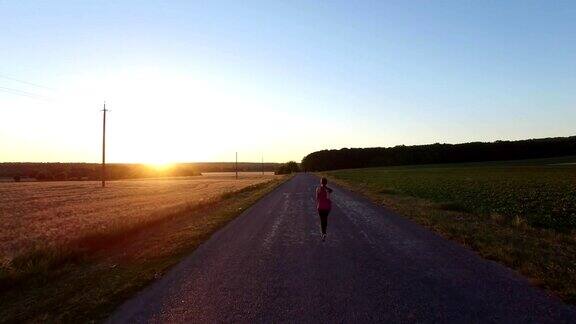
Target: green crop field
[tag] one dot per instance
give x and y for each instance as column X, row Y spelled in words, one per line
column 541, row 192
column 520, row 213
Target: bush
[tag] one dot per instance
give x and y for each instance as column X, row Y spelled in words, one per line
column 288, row 168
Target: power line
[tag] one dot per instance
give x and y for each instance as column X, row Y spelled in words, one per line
column 25, row 82
column 24, row 93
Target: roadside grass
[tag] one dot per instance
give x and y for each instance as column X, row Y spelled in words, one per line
column 445, row 202
column 85, row 280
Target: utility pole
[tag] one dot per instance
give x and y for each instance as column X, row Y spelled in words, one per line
column 104, row 146
column 236, row 165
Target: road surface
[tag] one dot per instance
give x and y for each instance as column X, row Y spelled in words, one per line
column 269, row 265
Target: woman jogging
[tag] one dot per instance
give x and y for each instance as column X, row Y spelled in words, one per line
column 324, row 204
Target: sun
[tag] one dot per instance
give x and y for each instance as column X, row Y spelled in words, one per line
column 160, row 166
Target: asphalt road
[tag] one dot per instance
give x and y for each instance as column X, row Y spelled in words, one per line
column 269, row 265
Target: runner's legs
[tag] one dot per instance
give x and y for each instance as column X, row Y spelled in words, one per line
column 323, row 219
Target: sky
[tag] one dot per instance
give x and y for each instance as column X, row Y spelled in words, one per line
column 200, row 80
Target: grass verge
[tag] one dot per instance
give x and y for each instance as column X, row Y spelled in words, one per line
column 546, row 256
column 85, row 280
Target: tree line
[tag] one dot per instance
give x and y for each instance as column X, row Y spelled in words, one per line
column 347, row 158
column 114, row 171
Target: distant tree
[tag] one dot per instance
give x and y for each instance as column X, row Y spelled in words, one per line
column 60, row 176
column 43, row 176
column 77, row 173
column 288, row 168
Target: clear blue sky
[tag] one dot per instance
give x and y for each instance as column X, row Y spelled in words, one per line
column 198, row 80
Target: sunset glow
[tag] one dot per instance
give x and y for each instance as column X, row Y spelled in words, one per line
column 181, row 87
column 296, row 161
column 160, row 166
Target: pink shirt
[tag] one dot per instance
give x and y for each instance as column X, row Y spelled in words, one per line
column 323, row 199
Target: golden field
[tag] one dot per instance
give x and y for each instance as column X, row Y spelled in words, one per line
column 41, row 214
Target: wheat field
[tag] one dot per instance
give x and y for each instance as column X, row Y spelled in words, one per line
column 36, row 214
